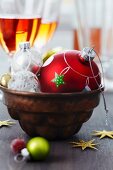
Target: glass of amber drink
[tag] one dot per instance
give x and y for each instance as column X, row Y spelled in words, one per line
column 19, row 22
column 49, row 23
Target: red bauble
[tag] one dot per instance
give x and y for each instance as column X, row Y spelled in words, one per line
column 67, row 72
column 35, row 69
column 17, row 145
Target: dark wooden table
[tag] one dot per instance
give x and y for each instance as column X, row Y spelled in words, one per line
column 62, row 155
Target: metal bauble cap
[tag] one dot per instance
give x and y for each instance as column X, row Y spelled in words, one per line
column 88, row 54
column 24, row 45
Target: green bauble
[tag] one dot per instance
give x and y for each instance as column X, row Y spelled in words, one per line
column 38, row 148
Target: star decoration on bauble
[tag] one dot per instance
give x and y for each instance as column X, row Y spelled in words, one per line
column 103, row 134
column 6, row 123
column 85, row 144
column 58, row 80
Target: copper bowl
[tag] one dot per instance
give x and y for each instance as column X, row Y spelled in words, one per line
column 54, row 116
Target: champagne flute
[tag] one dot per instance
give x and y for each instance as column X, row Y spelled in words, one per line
column 49, row 23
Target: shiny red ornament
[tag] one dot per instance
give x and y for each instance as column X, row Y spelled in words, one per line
column 17, row 145
column 70, row 71
column 35, row 69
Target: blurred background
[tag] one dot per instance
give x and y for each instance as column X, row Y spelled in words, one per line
column 64, row 35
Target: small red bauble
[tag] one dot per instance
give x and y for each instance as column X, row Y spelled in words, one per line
column 35, row 69
column 69, row 71
column 17, row 145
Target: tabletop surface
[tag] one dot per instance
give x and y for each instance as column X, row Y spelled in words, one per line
column 62, row 155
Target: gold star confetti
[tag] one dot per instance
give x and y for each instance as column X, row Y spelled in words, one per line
column 6, row 123
column 103, row 134
column 85, row 144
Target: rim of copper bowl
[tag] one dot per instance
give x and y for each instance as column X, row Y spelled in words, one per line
column 43, row 94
